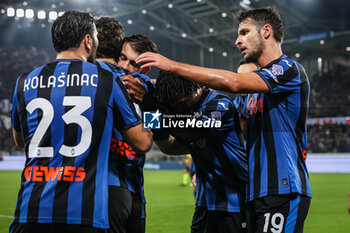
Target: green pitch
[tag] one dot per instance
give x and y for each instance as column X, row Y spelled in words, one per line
column 170, row 206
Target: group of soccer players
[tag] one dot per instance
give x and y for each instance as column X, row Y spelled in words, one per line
column 80, row 123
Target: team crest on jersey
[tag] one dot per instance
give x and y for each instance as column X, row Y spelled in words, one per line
column 277, row 69
column 216, row 115
column 201, row 143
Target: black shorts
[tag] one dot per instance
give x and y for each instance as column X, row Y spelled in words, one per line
column 53, row 228
column 278, row 213
column 125, row 211
column 212, row 221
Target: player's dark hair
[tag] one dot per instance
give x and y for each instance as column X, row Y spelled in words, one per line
column 263, row 16
column 110, row 36
column 243, row 62
column 70, row 29
column 170, row 87
column 141, row 43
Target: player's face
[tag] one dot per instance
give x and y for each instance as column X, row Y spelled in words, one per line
column 127, row 59
column 249, row 41
column 92, row 56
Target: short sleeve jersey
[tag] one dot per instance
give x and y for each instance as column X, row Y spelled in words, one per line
column 66, row 111
column 276, row 122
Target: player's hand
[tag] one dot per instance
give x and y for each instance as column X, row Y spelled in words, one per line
column 194, row 183
column 149, row 59
column 136, row 87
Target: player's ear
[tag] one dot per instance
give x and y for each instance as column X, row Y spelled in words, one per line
column 266, row 31
column 88, row 43
column 146, row 70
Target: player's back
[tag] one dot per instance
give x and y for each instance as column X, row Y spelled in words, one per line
column 65, row 111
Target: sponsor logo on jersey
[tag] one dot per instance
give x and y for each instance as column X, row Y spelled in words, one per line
column 254, row 105
column 47, row 174
column 123, row 149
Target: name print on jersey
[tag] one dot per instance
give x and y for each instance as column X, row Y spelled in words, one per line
column 60, row 81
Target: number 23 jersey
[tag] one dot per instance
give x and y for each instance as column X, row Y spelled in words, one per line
column 65, row 111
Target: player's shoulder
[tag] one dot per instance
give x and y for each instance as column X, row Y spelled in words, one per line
column 218, row 102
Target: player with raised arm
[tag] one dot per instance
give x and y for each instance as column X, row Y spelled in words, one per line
column 126, row 194
column 279, row 192
column 63, row 114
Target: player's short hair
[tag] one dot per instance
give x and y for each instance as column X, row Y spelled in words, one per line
column 110, row 36
column 141, row 43
column 171, row 87
column 262, row 16
column 70, row 29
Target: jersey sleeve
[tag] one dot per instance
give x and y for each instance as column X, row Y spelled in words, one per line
column 281, row 77
column 15, row 115
column 125, row 114
column 146, row 81
column 221, row 109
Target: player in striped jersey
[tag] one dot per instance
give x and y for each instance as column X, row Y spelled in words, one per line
column 278, row 190
column 126, row 195
column 63, row 113
column 218, row 153
column 240, row 101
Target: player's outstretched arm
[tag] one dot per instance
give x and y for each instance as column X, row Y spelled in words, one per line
column 139, row 138
column 214, row 78
column 171, row 146
column 17, row 137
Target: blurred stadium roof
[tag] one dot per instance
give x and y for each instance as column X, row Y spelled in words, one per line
column 311, row 26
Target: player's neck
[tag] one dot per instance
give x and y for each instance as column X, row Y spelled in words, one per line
column 109, row 60
column 71, row 54
column 270, row 53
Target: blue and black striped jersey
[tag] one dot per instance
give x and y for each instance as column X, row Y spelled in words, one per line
column 65, row 111
column 219, row 156
column 125, row 165
column 276, row 123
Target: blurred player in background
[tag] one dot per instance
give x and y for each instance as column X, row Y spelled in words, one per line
column 279, row 192
column 63, row 114
column 218, row 153
column 186, row 177
column 126, row 194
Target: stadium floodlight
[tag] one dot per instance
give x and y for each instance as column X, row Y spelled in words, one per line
column 3, row 11
column 168, row 25
column 151, row 28
column 41, row 15
column 53, row 6
column 20, row 13
column 10, row 12
column 184, row 35
column 211, row 50
column 321, row 41
column 319, row 60
column 129, row 21
column 60, row 13
column 297, row 55
column 348, row 49
column 29, row 14
column 211, row 30
column 52, row 15
column 224, row 14
column 170, row 5
column 144, row 12
column 115, row 9
column 224, row 54
column 25, row 3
